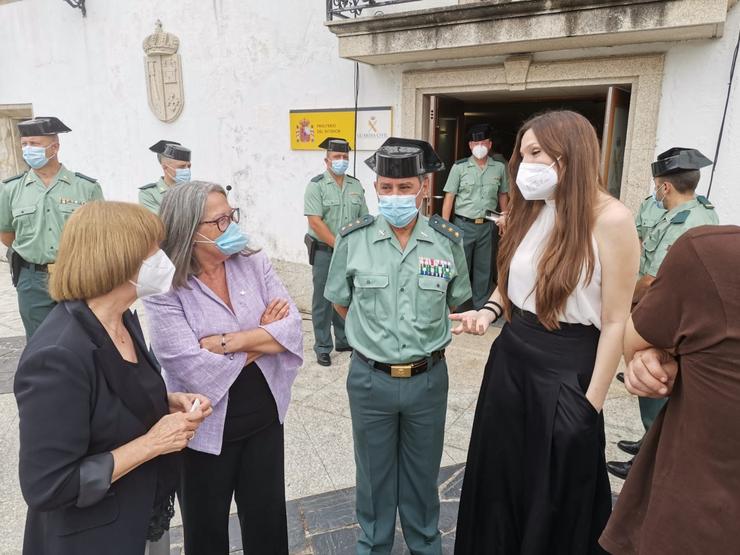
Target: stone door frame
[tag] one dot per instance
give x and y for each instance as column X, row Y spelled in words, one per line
column 15, row 112
column 643, row 73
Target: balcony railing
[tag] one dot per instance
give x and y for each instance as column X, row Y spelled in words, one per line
column 346, row 9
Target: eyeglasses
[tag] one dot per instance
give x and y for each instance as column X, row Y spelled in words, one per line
column 222, row 222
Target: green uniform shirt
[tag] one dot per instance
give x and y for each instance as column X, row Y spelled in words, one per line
column 336, row 205
column 476, row 189
column 648, row 215
column 398, row 299
column 36, row 213
column 670, row 227
column 150, row 195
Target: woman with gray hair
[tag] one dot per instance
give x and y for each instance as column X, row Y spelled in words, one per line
column 227, row 330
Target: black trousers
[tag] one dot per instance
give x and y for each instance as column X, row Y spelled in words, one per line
column 251, row 469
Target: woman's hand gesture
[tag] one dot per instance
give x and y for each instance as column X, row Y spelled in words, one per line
column 475, row 322
column 183, row 402
column 276, row 310
column 172, row 432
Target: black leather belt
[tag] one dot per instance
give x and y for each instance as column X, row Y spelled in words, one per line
column 472, row 220
column 406, row 370
column 323, row 247
column 34, row 267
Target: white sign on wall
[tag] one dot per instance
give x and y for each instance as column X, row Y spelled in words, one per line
column 374, row 126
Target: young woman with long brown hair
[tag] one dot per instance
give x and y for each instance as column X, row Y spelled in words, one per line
column 536, row 481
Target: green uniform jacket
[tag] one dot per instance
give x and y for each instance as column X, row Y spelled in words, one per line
column 37, row 214
column 151, row 194
column 648, row 215
column 398, row 299
column 337, row 206
column 476, row 190
column 670, row 227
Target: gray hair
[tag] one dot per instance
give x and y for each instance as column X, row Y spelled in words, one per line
column 181, row 212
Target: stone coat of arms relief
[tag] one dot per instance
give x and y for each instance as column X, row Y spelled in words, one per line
column 163, row 74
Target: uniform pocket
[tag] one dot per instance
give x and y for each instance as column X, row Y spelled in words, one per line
column 67, row 209
column 370, row 292
column 432, row 298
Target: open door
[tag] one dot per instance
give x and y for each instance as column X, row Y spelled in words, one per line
column 614, row 139
column 445, row 119
column 11, row 157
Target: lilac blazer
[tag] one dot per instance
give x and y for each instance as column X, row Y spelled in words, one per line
column 180, row 318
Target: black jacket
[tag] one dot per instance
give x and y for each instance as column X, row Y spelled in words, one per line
column 77, row 401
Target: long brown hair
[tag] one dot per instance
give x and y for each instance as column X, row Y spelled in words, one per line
column 571, row 138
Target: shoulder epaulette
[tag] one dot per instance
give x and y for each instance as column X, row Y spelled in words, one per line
column 648, row 197
column 439, row 224
column 88, row 178
column 317, row 178
column 359, row 223
column 14, row 177
column 148, row 186
column 704, row 201
column 461, row 161
column 681, row 217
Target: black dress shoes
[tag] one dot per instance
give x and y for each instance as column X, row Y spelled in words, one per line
column 630, row 447
column 620, row 376
column 346, row 349
column 323, row 359
column 619, row 469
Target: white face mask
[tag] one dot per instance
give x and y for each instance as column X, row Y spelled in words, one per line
column 155, row 275
column 480, row 151
column 537, row 181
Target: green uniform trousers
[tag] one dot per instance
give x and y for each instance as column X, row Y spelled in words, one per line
column 34, row 302
column 398, row 430
column 478, row 245
column 323, row 314
column 649, row 410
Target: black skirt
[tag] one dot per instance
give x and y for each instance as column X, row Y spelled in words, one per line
column 535, row 481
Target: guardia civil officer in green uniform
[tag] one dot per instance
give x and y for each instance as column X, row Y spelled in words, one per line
column 175, row 161
column 676, row 176
column 33, row 209
column 332, row 199
column 474, row 186
column 396, row 277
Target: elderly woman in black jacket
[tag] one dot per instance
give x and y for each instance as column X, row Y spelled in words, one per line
column 97, row 426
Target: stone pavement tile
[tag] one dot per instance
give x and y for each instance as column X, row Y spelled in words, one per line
column 12, row 505
column 305, row 473
column 331, row 437
column 10, row 351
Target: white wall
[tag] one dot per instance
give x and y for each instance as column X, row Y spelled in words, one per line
column 694, row 92
column 245, row 65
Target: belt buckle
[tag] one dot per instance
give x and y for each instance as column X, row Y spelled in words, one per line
column 401, row 370
column 479, row 220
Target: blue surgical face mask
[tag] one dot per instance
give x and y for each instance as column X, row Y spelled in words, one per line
column 182, row 175
column 339, row 167
column 658, row 203
column 231, row 241
column 35, row 156
column 398, row 210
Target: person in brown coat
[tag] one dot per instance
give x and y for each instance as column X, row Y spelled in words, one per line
column 683, row 340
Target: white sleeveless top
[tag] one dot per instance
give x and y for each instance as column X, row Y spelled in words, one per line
column 584, row 303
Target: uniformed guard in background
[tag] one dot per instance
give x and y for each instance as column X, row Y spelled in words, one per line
column 675, row 209
column 175, row 161
column 474, row 186
column 332, row 200
column 395, row 278
column 34, row 207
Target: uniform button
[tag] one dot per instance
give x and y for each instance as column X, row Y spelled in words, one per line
column 401, row 316
column 403, row 289
column 403, row 346
column 49, row 229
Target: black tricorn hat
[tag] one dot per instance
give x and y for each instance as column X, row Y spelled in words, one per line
column 42, row 126
column 335, row 144
column 176, row 152
column 679, row 159
column 159, row 146
column 399, row 157
column 480, row 132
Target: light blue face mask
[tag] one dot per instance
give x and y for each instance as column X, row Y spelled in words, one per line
column 35, row 156
column 658, row 203
column 339, row 167
column 398, row 210
column 231, row 241
column 182, row 175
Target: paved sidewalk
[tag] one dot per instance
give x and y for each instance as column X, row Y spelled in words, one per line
column 319, row 459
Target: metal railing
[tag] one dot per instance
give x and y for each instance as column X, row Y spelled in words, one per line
column 345, row 9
